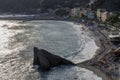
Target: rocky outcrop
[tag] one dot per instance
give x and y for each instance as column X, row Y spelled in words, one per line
column 47, row 60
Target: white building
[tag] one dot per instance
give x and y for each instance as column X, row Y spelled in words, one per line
column 75, row 12
column 104, row 16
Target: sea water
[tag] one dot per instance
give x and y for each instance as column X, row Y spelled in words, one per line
column 65, row 39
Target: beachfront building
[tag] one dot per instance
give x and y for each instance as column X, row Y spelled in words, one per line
column 102, row 15
column 114, row 38
column 75, row 12
column 98, row 14
column 82, row 13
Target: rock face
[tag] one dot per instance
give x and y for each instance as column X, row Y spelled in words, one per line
column 46, row 60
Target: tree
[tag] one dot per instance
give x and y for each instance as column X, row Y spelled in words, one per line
column 62, row 11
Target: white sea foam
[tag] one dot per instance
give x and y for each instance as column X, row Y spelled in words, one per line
column 5, row 37
column 87, row 44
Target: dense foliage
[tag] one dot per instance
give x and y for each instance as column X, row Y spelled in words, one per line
column 111, row 5
column 62, row 11
column 18, row 5
column 114, row 19
column 30, row 5
column 34, row 5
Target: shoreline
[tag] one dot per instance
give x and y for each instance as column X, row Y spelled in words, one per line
column 96, row 71
column 87, row 64
column 105, row 50
column 84, row 64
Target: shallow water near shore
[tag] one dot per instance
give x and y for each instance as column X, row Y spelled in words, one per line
column 65, row 39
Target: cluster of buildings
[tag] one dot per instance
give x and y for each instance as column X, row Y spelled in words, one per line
column 82, row 13
column 101, row 14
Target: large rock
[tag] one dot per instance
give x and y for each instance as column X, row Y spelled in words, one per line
column 46, row 60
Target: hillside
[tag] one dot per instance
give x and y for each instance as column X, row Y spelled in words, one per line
column 30, row 5
column 111, row 5
column 20, row 6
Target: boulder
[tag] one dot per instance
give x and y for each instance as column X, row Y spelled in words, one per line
column 47, row 60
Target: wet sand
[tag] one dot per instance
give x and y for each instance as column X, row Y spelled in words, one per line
column 100, row 52
column 86, row 64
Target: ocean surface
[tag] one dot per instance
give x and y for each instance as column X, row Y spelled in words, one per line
column 66, row 39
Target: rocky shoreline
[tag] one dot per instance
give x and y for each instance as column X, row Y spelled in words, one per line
column 105, row 58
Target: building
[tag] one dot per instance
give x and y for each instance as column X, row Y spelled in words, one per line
column 82, row 13
column 115, row 36
column 102, row 15
column 75, row 12
column 98, row 14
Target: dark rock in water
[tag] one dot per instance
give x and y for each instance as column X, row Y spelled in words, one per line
column 47, row 60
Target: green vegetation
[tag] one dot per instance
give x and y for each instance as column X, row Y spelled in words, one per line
column 62, row 11
column 33, row 5
column 114, row 19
